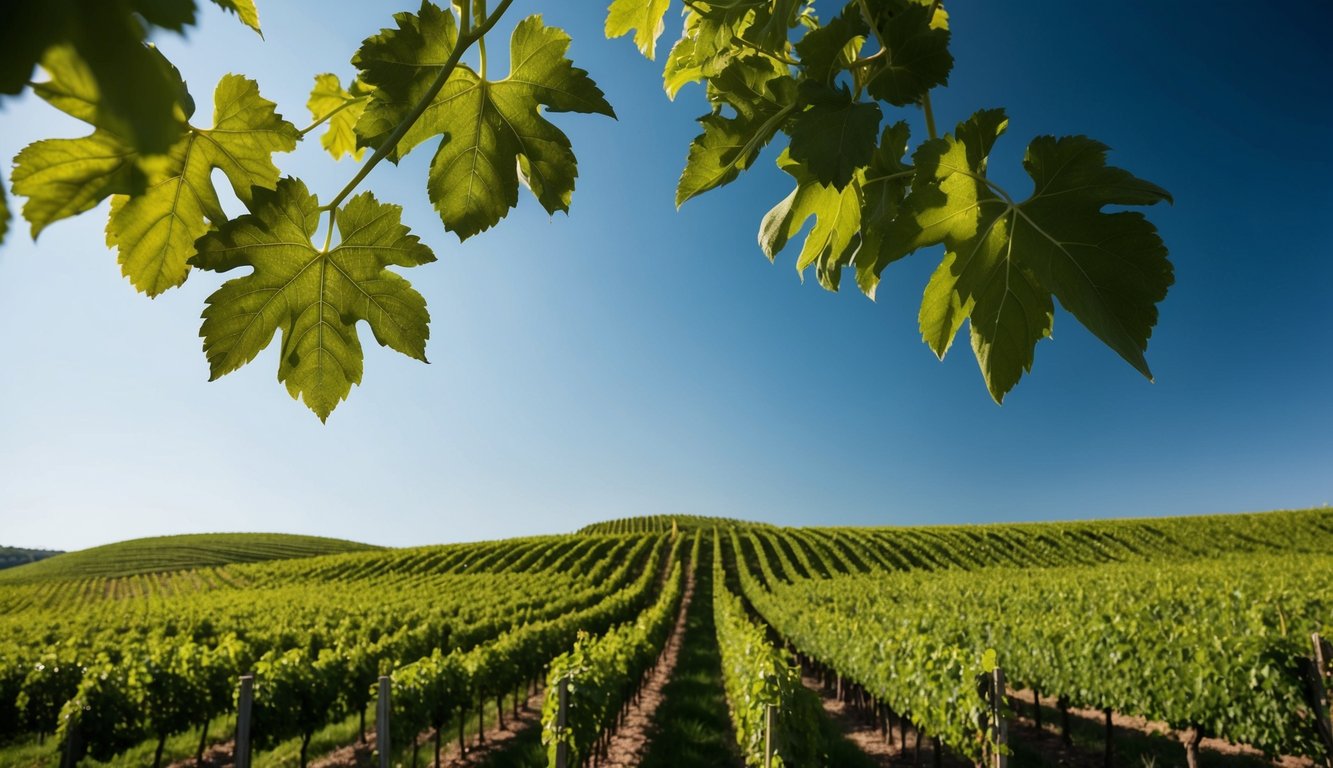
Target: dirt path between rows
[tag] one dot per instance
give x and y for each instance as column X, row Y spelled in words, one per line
column 865, row 734
column 362, row 754
column 1047, row 741
column 630, row 743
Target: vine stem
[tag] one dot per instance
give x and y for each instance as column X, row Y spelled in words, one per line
column 329, row 115
column 925, row 100
column 467, row 36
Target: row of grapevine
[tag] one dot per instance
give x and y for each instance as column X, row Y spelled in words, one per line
column 601, row 674
column 431, row 691
column 922, row 679
column 1210, row 647
column 316, row 649
column 772, row 711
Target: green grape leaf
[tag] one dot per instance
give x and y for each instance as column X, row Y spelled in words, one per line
column 493, row 131
column 886, row 236
column 71, row 87
column 343, row 108
column 836, row 136
column 174, row 15
column 916, row 56
column 245, row 11
column 643, row 17
column 155, row 231
column 680, row 69
column 400, row 65
column 769, row 27
column 763, row 101
column 824, row 51
column 65, row 177
column 314, row 297
column 139, row 90
column 1004, row 260
column 833, row 239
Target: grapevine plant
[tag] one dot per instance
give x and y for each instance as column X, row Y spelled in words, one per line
column 832, row 89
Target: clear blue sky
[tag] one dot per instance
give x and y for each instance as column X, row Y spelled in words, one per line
column 633, row 359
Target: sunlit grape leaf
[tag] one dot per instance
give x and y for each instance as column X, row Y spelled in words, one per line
column 65, row 177
column 70, row 87
column 643, row 17
column 886, row 236
column 835, row 136
column 493, row 131
column 680, row 69
column 155, row 231
column 1004, row 260
column 314, row 297
column 763, row 100
column 832, row 240
column 343, row 108
column 245, row 11
column 401, row 65
column 916, row 56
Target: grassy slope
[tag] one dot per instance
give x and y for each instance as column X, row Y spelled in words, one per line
column 174, row 553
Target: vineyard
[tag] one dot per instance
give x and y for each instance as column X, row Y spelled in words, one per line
column 131, row 654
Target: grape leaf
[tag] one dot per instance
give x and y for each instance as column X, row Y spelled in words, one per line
column 314, row 297
column 245, row 11
column 155, row 231
column 492, row 131
column 138, row 92
column 832, row 241
column 886, row 236
column 836, row 135
column 763, row 100
column 825, row 50
column 643, row 17
column 916, row 55
column 344, row 108
column 680, row 69
column 1004, row 260
column 65, row 177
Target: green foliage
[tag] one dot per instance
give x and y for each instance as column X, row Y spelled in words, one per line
column 341, row 108
column 155, row 232
column 601, row 673
column 1003, row 262
column 757, row 676
column 492, row 131
column 770, row 68
column 642, row 17
column 314, row 296
column 245, row 11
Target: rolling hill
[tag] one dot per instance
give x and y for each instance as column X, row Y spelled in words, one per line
column 174, row 553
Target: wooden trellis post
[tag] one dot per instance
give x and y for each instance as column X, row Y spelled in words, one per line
column 770, row 721
column 998, row 723
column 561, row 722
column 244, row 707
column 382, row 721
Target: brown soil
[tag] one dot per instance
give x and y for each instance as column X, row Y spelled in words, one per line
column 860, row 729
column 362, row 755
column 1048, row 743
column 630, row 743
